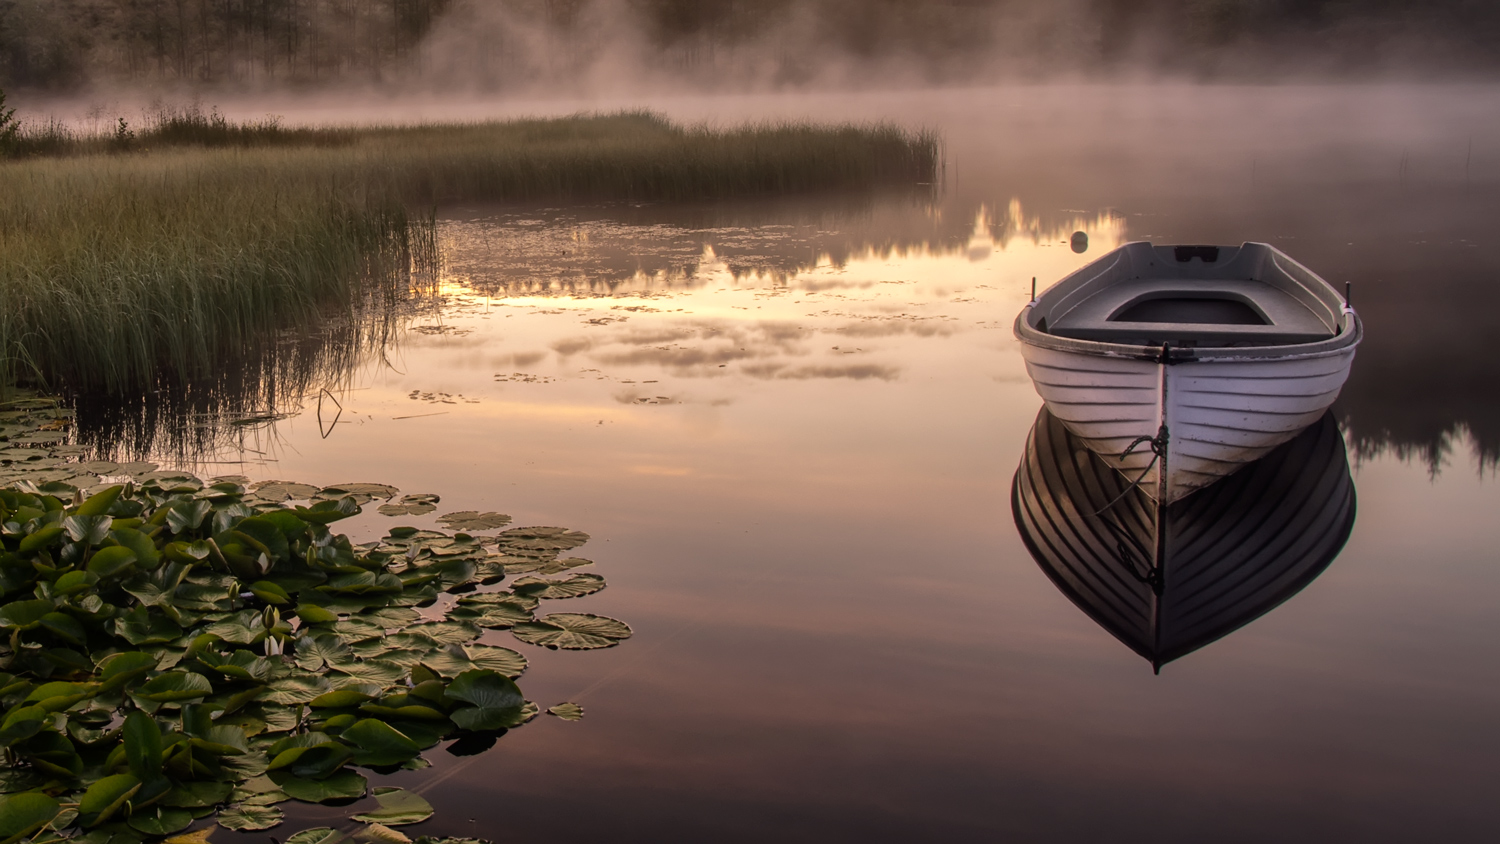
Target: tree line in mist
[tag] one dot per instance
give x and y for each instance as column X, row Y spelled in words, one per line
column 62, row 44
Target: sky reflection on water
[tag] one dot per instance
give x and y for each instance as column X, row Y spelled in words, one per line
column 791, row 429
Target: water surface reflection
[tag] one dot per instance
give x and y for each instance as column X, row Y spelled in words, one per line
column 1166, row 581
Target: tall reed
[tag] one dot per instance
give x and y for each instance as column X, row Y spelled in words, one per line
column 123, row 272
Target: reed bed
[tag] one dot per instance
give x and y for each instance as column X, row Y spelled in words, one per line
column 124, row 272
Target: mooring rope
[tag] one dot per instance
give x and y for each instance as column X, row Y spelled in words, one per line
column 1158, row 450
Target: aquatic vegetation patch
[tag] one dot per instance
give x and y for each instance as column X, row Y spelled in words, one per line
column 127, row 273
column 177, row 649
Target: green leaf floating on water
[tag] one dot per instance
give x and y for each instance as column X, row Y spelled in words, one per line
column 377, row 671
column 448, row 632
column 497, row 702
column 140, row 626
column 495, row 609
column 361, row 493
column 197, row 795
column 105, row 797
column 279, row 491
column 320, row 650
column 573, row 631
column 379, row 833
column 572, row 586
column 174, row 686
column 24, row 614
column 160, row 821
column 410, row 505
column 456, row 659
column 545, row 566
column 398, row 807
column 344, row 785
column 244, row 817
column 88, row 530
column 298, row 688
column 13, row 780
column 320, row 835
column 23, row 814
column 309, row 755
column 471, row 521
column 542, row 538
column 142, row 745
column 379, row 744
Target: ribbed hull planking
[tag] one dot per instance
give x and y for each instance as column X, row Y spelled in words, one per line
column 1220, row 414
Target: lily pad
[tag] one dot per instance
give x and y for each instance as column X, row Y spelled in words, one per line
column 473, row 521
column 573, row 631
column 316, row 651
column 456, row 659
column 197, row 795
column 572, row 586
column 344, row 785
column 494, row 616
column 319, row 835
column 566, row 711
column 361, row 493
column 543, row 538
column 447, row 632
column 244, row 817
column 137, row 469
column 378, row 743
column 377, row 671
column 157, row 820
column 497, row 702
column 105, row 797
column 175, row 686
column 99, row 467
column 358, row 629
column 23, row 814
column 410, row 505
column 379, row 833
column 545, row 566
column 297, row 688
column 283, row 491
column 398, row 807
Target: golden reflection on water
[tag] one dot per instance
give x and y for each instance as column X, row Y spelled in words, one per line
column 689, row 355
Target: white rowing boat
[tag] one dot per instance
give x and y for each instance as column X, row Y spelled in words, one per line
column 1180, row 364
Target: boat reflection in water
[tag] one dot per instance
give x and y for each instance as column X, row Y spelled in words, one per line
column 1167, row 580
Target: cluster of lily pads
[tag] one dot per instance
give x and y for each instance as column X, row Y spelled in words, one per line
column 175, row 649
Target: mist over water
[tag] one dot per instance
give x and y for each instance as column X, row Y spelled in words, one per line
column 593, row 47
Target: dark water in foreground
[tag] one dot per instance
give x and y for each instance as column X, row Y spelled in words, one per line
column 792, row 428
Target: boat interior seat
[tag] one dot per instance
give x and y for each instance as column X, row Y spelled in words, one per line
column 1192, row 312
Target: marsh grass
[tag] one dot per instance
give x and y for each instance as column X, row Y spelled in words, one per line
column 164, row 127
column 127, row 272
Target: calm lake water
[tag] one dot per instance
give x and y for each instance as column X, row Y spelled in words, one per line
column 791, row 428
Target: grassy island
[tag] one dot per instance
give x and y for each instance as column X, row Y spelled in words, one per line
column 134, row 259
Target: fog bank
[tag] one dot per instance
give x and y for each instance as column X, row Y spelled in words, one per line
column 600, row 47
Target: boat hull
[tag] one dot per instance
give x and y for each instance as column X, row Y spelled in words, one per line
column 1171, row 410
column 1219, row 414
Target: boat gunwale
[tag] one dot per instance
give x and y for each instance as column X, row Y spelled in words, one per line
column 1342, row 343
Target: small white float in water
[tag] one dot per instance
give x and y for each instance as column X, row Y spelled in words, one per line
column 1180, row 364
